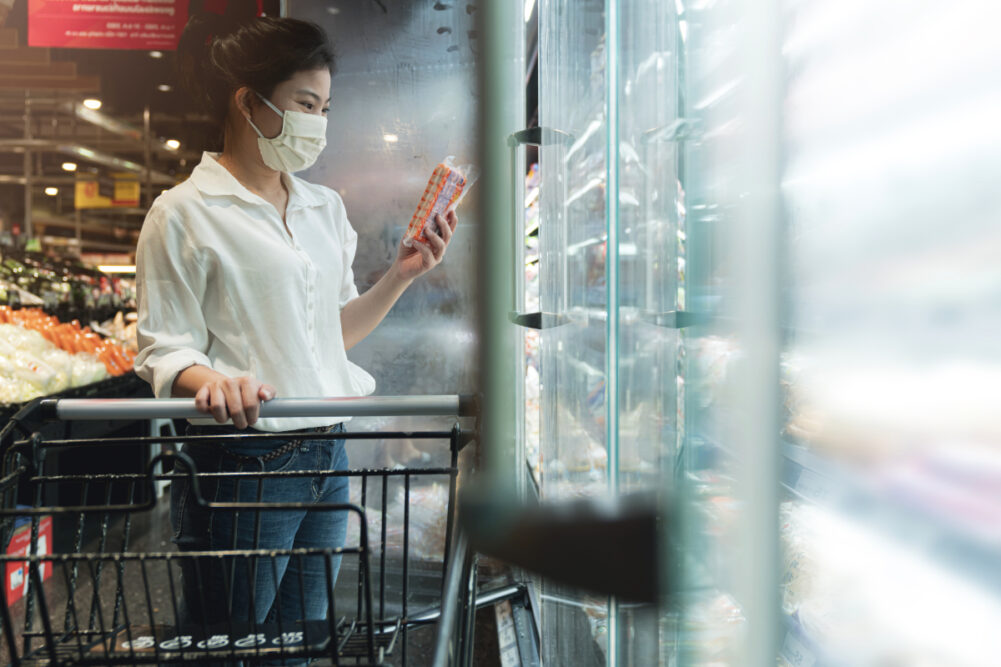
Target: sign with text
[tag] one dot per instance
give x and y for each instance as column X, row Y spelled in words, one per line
column 106, row 24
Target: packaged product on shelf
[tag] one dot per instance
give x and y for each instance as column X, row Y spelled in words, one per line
column 533, row 419
column 578, row 450
column 22, row 361
column 640, row 431
column 122, row 328
column 712, row 356
column 799, row 568
column 445, row 189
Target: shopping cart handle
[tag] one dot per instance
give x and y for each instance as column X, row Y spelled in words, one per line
column 184, row 408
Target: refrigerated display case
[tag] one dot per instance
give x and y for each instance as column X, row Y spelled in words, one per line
column 848, row 283
column 610, row 255
column 768, row 263
column 890, row 440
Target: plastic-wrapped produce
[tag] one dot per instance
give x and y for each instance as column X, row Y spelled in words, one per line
column 87, row 369
column 69, row 336
column 14, row 389
column 32, row 366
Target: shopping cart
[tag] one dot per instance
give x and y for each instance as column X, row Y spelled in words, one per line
column 97, row 594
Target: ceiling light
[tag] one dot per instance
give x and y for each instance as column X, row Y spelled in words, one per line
column 117, row 268
column 164, row 88
column 92, row 103
column 51, row 191
column 333, row 11
column 69, row 166
column 390, row 138
column 173, row 144
column 156, row 54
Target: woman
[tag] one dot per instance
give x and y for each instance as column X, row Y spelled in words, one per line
column 246, row 293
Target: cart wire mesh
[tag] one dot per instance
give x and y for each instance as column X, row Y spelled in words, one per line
column 94, row 596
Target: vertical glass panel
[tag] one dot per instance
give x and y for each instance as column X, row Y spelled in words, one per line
column 650, row 233
column 573, row 237
column 711, row 615
column 649, row 211
column 892, row 368
column 726, row 468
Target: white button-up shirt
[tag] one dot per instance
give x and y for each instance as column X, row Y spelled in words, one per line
column 221, row 283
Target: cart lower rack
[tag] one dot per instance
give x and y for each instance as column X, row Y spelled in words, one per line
column 91, row 594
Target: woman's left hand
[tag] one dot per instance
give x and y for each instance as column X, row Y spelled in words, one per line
column 422, row 257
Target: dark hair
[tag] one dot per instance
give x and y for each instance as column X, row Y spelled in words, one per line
column 218, row 54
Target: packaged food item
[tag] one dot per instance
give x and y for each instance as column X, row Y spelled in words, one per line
column 445, row 189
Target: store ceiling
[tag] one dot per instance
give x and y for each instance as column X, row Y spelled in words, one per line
column 125, row 82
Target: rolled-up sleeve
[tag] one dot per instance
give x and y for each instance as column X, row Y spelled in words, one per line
column 170, row 284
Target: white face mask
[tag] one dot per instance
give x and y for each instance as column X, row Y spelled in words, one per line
column 299, row 143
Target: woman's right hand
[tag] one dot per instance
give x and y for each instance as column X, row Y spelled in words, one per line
column 238, row 399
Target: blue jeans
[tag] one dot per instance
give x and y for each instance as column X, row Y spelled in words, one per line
column 219, row 591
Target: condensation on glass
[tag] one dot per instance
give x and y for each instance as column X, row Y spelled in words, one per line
column 403, row 99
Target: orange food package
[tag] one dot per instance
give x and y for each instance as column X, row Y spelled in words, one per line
column 445, row 189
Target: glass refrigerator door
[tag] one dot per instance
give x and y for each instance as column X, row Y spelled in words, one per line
column 610, row 216
column 574, row 297
column 841, row 396
column 729, row 95
column 891, row 365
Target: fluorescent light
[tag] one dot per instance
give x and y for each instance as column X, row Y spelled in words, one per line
column 92, row 103
column 69, row 166
column 117, row 268
column 172, row 144
column 390, row 138
column 156, row 54
column 51, row 191
column 529, row 5
column 164, row 88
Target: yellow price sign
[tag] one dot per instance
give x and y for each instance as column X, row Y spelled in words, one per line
column 124, row 193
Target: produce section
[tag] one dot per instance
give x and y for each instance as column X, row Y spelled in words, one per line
column 50, row 336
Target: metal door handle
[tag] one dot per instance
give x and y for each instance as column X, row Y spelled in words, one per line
column 532, row 136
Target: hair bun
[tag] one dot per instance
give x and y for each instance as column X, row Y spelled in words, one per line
column 219, row 53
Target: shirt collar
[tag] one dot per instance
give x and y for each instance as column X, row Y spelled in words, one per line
column 213, row 179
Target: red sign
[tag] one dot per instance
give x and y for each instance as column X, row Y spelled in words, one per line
column 16, row 576
column 107, row 24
